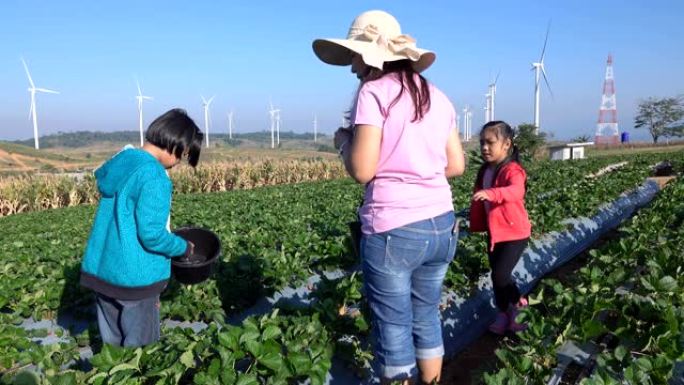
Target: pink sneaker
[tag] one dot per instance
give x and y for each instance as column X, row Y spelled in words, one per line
column 500, row 323
column 512, row 314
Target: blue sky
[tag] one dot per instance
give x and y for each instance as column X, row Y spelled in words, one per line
column 246, row 52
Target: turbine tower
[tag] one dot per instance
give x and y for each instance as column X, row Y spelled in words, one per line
column 458, row 125
column 470, row 123
column 607, row 127
column 230, row 125
column 275, row 124
column 315, row 128
column 32, row 112
column 205, row 104
column 140, row 99
column 488, row 107
column 491, row 98
column 278, row 127
column 467, row 120
column 538, row 68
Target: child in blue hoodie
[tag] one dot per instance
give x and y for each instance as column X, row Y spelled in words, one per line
column 127, row 258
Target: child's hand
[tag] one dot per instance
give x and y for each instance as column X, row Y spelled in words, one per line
column 188, row 251
column 480, row 196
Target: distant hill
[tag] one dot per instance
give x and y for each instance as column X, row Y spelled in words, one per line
column 88, row 138
column 83, row 139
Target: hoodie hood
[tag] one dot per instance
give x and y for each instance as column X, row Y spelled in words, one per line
column 112, row 175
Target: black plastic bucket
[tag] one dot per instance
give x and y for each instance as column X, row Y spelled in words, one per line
column 200, row 265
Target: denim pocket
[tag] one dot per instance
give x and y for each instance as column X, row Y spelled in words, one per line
column 404, row 254
column 453, row 241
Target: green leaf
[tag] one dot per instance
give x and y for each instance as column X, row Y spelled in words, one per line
column 26, row 378
column 188, row 359
column 667, row 284
column 620, row 352
column 67, row 378
column 301, row 363
column 272, row 361
column 270, row 332
column 644, row 364
column 253, row 347
column 249, row 336
column 228, row 375
column 120, row 367
column 592, row 328
column 97, row 378
column 214, row 368
column 247, row 379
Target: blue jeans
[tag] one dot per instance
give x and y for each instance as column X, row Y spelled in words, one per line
column 403, row 271
column 128, row 323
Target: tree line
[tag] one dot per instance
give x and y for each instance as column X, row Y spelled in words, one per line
column 87, row 138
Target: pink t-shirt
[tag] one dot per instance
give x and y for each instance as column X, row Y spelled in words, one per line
column 409, row 184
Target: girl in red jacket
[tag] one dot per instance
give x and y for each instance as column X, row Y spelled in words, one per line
column 498, row 208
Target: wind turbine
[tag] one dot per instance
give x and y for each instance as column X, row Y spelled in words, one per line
column 205, row 104
column 32, row 112
column 275, row 123
column 140, row 99
column 538, row 68
column 458, row 124
column 315, row 127
column 230, row 125
column 492, row 97
column 466, row 123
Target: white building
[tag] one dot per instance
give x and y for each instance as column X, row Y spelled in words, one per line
column 568, row 151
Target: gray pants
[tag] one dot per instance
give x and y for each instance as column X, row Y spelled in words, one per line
column 128, row 323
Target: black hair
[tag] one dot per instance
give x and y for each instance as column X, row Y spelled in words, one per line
column 419, row 90
column 175, row 132
column 504, row 131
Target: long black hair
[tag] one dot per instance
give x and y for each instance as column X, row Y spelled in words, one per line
column 503, row 131
column 175, row 132
column 419, row 90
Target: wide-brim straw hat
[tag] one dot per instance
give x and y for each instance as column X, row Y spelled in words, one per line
column 377, row 37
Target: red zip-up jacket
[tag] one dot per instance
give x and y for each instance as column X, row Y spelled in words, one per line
column 507, row 219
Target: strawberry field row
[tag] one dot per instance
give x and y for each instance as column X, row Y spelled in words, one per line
column 271, row 237
column 625, row 308
column 144, row 367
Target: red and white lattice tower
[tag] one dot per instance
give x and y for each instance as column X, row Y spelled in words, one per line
column 607, row 126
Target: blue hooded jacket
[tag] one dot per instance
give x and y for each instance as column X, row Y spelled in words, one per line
column 127, row 255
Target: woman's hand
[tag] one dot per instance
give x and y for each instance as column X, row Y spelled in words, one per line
column 481, row 196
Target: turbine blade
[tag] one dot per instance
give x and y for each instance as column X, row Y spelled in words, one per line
column 210, row 99
column 30, row 110
column 28, row 74
column 138, row 84
column 204, row 101
column 496, row 79
column 548, row 86
column 546, row 38
column 47, row 91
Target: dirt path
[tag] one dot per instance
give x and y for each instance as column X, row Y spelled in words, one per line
column 468, row 367
column 19, row 164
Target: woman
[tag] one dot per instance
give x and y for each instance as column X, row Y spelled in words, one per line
column 403, row 146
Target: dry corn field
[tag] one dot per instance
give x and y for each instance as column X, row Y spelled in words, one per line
column 33, row 193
